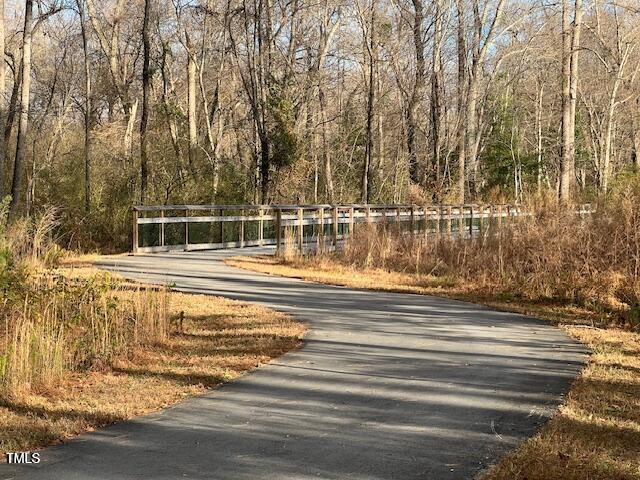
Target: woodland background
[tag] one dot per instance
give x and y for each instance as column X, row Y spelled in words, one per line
column 107, row 104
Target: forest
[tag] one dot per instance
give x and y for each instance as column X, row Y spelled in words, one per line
column 114, row 103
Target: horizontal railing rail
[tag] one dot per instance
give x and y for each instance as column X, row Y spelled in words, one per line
column 161, row 228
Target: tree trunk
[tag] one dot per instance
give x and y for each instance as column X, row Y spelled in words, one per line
column 367, row 172
column 264, row 167
column 570, row 44
column 3, row 103
column 146, row 93
column 437, row 87
column 539, row 105
column 87, row 108
column 416, row 94
column 328, row 174
column 170, row 114
column 462, row 81
column 191, row 101
column 23, row 125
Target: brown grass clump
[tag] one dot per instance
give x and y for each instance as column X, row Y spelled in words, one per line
column 555, row 255
column 206, row 341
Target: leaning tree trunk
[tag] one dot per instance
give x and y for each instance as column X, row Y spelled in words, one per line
column 23, row 125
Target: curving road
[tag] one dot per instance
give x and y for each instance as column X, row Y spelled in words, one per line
column 387, row 386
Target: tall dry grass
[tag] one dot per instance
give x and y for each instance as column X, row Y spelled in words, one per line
column 52, row 324
column 553, row 255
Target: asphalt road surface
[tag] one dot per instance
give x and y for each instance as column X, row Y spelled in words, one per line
column 386, row 386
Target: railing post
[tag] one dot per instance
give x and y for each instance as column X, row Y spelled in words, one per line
column 300, row 229
column 481, row 221
column 186, row 230
column 412, row 221
column 508, row 215
column 335, row 226
column 242, row 229
column 162, row 228
column 321, row 229
column 425, row 223
column 367, row 214
column 438, row 214
column 134, row 238
column 471, row 221
column 221, row 227
column 278, row 231
column 261, row 227
column 351, row 221
column 461, row 221
column 449, row 214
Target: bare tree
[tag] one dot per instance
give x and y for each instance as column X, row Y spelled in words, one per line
column 23, row 124
column 570, row 44
column 87, row 106
column 146, row 93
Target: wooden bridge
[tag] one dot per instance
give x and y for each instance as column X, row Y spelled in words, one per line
column 161, row 228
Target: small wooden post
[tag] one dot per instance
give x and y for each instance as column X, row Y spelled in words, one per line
column 481, row 221
column 470, row 221
column 438, row 214
column 398, row 217
column 320, row 229
column 367, row 214
column 461, row 221
column 425, row 222
column 335, row 226
column 508, row 214
column 261, row 227
column 242, row 229
column 351, row 221
column 186, row 230
column 135, row 232
column 221, row 227
column 278, row 231
column 300, row 229
column 449, row 214
column 162, row 228
column 412, row 220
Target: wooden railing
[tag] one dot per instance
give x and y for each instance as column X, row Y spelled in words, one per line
column 161, row 228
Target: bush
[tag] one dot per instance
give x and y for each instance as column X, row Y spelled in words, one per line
column 52, row 324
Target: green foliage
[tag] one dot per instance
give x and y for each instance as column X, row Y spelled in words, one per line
column 504, row 154
column 283, row 140
column 170, row 109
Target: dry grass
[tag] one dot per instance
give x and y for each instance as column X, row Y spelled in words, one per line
column 594, row 435
column 211, row 340
column 582, row 274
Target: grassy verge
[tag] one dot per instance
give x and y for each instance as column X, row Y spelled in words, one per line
column 209, row 340
column 596, row 432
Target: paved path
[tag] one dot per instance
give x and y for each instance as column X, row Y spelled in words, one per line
column 387, row 386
